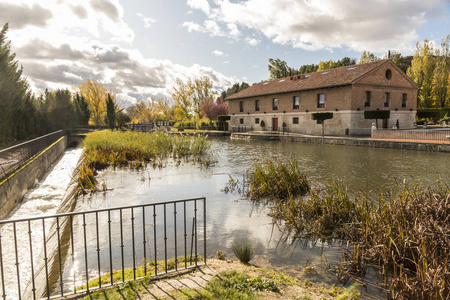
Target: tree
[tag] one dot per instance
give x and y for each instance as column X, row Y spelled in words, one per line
column 421, row 71
column 61, row 113
column 441, row 74
column 367, row 57
column 321, row 117
column 235, row 88
column 211, row 109
column 142, row 112
column 81, row 110
column 111, row 112
column 95, row 94
column 16, row 102
column 190, row 95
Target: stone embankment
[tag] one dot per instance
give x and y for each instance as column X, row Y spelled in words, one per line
column 348, row 141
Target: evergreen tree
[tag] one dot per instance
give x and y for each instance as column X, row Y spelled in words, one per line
column 16, row 101
column 82, row 110
column 111, row 112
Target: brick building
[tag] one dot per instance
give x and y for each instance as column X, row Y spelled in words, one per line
column 345, row 91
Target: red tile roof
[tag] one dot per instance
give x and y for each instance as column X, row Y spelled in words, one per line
column 323, row 79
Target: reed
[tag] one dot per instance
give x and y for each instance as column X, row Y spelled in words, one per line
column 268, row 180
column 136, row 150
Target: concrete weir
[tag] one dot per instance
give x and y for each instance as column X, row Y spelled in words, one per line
column 348, row 141
column 15, row 186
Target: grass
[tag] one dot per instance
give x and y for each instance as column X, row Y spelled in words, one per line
column 244, row 251
column 268, row 180
column 135, row 150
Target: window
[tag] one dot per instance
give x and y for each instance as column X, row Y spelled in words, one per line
column 295, row 120
column 241, row 106
column 296, row 102
column 275, row 103
column 320, row 100
column 388, row 74
column 256, row 105
column 404, row 98
column 368, row 96
column 256, row 120
column 386, row 99
column 241, row 121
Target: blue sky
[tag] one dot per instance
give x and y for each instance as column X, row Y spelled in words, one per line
column 140, row 47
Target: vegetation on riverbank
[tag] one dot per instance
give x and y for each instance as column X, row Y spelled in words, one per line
column 136, row 150
column 226, row 280
column 405, row 233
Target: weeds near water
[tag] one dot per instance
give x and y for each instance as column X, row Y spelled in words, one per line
column 135, row 150
column 269, row 180
column 244, row 251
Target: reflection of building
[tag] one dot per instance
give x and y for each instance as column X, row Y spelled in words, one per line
column 345, row 91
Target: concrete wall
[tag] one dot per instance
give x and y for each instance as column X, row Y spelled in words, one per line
column 14, row 187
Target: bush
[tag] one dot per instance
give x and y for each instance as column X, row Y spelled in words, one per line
column 244, row 251
column 377, row 114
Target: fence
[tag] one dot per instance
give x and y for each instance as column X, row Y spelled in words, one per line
column 414, row 135
column 13, row 157
column 79, row 252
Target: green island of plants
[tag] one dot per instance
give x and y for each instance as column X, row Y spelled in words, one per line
column 404, row 232
column 136, row 150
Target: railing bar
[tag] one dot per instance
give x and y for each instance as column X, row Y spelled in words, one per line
column 95, row 210
column 121, row 246
column 45, row 259
column 154, row 238
column 110, row 248
column 59, row 257
column 1, row 268
column 85, row 252
column 185, row 236
column 17, row 260
column 98, row 251
column 196, row 236
column 133, row 242
column 192, row 241
column 73, row 256
column 175, row 233
column 204, row 230
column 144, row 241
column 165, row 239
column 31, row 260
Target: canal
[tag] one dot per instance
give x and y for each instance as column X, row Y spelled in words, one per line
column 229, row 217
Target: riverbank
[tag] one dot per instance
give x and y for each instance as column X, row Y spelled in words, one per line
column 222, row 276
column 347, row 141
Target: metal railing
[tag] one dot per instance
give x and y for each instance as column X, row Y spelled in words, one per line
column 58, row 255
column 13, row 157
column 441, row 136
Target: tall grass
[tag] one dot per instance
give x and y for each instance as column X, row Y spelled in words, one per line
column 244, row 251
column 405, row 232
column 136, row 150
column 267, row 180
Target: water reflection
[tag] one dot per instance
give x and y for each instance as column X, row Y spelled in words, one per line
column 230, row 217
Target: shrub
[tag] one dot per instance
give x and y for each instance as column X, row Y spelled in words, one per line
column 244, row 251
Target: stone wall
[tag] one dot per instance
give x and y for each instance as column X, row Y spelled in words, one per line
column 14, row 187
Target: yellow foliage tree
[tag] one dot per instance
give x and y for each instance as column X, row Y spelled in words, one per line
column 95, row 94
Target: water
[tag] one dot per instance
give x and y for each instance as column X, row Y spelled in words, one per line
column 44, row 199
column 230, row 217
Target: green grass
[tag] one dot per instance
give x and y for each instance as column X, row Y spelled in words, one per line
column 140, row 271
column 136, row 150
column 244, row 251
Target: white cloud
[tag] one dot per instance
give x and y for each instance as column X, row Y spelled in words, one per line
column 199, row 4
column 209, row 27
column 63, row 48
column 326, row 24
column 217, row 53
column 252, row 41
column 147, row 20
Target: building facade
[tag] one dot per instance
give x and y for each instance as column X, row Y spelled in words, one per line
column 288, row 103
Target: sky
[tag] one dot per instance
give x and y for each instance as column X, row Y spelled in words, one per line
column 138, row 48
